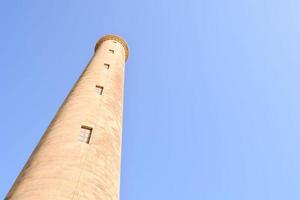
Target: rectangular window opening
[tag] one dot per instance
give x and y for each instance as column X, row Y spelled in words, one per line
column 106, row 65
column 112, row 51
column 85, row 134
column 99, row 89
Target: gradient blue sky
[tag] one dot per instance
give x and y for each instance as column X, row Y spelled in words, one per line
column 212, row 94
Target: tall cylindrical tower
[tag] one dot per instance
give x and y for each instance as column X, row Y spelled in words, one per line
column 79, row 155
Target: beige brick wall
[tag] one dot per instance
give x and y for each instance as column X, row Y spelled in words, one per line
column 62, row 167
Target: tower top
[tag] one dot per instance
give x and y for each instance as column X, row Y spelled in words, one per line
column 115, row 38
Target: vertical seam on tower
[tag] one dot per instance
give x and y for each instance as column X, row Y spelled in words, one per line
column 95, row 124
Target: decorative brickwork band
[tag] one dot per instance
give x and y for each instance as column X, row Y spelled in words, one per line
column 115, row 38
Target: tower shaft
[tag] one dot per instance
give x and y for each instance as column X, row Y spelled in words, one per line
column 79, row 155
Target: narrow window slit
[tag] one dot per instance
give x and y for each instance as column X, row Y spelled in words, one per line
column 85, row 134
column 112, row 51
column 106, row 65
column 99, row 89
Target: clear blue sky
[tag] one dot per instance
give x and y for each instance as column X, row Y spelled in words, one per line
column 212, row 94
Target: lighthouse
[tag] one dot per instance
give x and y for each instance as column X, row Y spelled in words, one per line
column 79, row 155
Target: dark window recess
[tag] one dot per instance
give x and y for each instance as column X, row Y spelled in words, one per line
column 99, row 89
column 106, row 65
column 85, row 134
column 112, row 51
column 114, row 41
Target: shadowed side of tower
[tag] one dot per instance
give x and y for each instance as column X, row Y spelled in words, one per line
column 79, row 155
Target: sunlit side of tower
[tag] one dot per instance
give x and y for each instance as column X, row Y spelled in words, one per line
column 79, row 155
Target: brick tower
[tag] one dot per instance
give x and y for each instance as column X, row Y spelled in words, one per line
column 79, row 155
